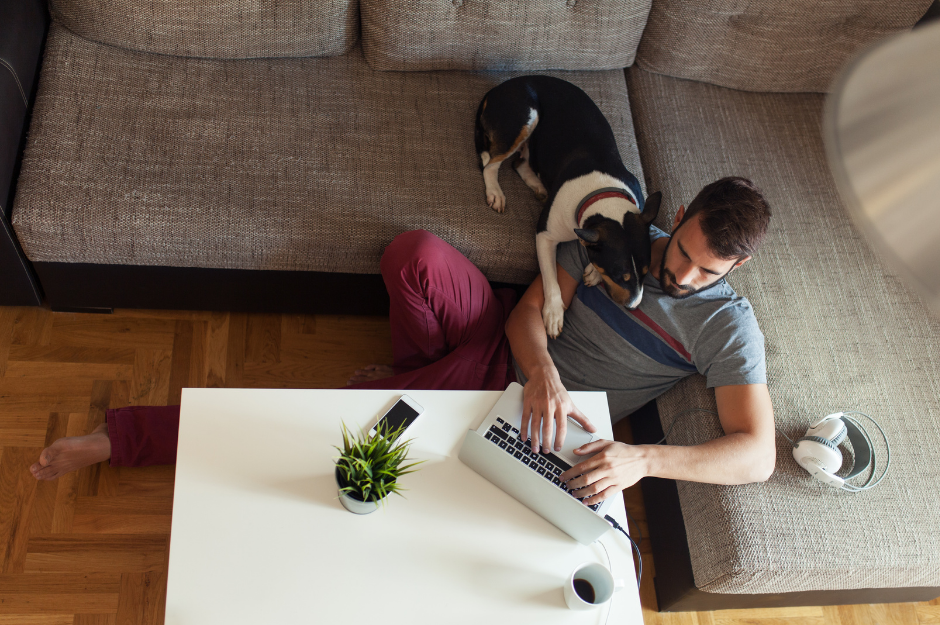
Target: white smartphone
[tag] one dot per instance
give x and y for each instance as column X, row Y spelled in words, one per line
column 403, row 413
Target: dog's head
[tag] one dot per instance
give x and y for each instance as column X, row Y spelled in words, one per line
column 621, row 252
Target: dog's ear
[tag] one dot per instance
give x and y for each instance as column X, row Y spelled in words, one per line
column 651, row 208
column 588, row 236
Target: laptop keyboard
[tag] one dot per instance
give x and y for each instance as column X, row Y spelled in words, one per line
column 548, row 466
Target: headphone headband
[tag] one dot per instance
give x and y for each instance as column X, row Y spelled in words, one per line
column 861, row 447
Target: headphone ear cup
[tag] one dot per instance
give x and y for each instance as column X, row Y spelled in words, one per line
column 822, row 441
column 823, row 451
column 832, row 429
column 838, row 438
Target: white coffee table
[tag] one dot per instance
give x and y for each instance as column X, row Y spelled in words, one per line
column 259, row 536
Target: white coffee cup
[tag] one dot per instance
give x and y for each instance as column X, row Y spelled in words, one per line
column 590, row 578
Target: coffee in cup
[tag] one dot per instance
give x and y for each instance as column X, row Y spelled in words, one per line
column 590, row 585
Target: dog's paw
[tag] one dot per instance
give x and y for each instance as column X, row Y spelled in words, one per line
column 496, row 200
column 553, row 316
column 541, row 193
column 592, row 276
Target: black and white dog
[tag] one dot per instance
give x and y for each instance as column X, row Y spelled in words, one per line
column 568, row 156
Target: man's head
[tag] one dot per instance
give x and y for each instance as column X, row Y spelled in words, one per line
column 722, row 228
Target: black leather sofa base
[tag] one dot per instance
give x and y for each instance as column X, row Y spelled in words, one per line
column 23, row 25
column 89, row 288
column 99, row 288
column 674, row 581
column 18, row 285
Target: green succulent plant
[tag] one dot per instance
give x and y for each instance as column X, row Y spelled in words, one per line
column 369, row 466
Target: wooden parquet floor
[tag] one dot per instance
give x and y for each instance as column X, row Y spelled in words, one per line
column 91, row 548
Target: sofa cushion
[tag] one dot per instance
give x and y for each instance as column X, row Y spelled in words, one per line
column 499, row 35
column 225, row 29
column 841, row 333
column 289, row 164
column 763, row 45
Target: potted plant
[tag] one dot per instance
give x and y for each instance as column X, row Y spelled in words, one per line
column 368, row 468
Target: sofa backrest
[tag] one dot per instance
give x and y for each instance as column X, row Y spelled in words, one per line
column 767, row 45
column 226, row 29
column 502, row 34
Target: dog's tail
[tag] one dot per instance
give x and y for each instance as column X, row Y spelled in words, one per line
column 480, row 138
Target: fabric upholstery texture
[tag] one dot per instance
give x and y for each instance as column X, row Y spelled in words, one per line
column 500, row 35
column 761, row 45
column 842, row 333
column 290, row 164
column 225, row 29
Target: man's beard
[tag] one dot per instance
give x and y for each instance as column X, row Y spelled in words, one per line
column 671, row 287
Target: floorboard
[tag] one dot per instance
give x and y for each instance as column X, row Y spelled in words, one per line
column 92, row 547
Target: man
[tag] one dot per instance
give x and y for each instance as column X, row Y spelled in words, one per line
column 448, row 333
column 689, row 320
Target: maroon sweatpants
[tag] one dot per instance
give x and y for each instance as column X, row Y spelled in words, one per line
column 447, row 334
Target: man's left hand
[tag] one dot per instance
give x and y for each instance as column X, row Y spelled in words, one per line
column 615, row 466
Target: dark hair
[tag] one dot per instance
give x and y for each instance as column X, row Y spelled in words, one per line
column 733, row 215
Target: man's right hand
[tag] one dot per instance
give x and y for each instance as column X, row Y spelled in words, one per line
column 545, row 404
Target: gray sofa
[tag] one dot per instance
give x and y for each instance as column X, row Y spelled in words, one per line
column 260, row 156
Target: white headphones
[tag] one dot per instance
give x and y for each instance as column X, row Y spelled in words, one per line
column 818, row 451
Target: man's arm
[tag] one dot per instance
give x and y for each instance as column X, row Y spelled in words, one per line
column 746, row 453
column 545, row 399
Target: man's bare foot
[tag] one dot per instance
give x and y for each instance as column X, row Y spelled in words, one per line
column 72, row 453
column 370, row 373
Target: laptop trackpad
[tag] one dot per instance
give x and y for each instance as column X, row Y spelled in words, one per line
column 575, row 437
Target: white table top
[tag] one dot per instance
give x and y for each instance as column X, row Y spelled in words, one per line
column 259, row 535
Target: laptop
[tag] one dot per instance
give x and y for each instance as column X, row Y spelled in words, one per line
column 496, row 451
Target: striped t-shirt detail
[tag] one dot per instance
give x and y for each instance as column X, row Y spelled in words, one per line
column 637, row 329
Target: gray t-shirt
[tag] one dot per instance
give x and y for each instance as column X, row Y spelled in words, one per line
column 637, row 355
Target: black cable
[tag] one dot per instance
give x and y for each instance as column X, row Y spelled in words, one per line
column 636, row 548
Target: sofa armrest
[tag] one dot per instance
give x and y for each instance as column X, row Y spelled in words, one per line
column 23, row 26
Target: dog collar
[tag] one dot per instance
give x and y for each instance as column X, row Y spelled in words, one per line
column 600, row 194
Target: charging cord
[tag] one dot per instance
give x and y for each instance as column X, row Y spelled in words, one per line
column 636, row 549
